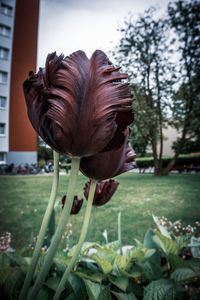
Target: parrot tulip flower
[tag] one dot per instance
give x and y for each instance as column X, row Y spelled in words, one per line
column 109, row 164
column 103, row 193
column 76, row 206
column 79, row 106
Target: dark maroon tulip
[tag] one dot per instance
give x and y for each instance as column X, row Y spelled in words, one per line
column 79, row 106
column 76, row 206
column 111, row 163
column 103, row 193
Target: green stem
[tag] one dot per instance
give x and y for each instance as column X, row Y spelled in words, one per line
column 59, row 231
column 43, row 228
column 80, row 242
column 119, row 233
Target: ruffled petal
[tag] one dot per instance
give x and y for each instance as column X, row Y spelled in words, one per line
column 111, row 163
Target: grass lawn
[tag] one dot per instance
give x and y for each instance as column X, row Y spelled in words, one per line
column 24, row 199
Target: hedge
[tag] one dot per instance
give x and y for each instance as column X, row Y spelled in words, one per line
column 183, row 162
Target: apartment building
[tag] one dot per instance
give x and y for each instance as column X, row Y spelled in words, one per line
column 18, row 54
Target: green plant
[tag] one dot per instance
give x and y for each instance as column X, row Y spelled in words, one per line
column 153, row 269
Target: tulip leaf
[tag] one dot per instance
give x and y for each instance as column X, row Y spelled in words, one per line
column 122, row 296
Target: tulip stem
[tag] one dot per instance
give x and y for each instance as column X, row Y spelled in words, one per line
column 119, row 233
column 43, row 228
column 80, row 242
column 59, row 231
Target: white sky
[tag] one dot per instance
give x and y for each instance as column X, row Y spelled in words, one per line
column 66, row 26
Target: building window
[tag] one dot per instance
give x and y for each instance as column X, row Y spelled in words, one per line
column 6, row 9
column 2, row 157
column 2, row 129
column 4, row 53
column 3, row 77
column 5, row 30
column 2, row 102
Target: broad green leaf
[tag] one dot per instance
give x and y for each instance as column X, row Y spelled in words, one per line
column 61, row 266
column 113, row 245
column 105, row 265
column 172, row 246
column 159, row 244
column 14, row 280
column 120, row 261
column 97, row 291
column 162, row 289
column 76, row 284
column 86, row 274
column 148, row 241
column 182, row 275
column 177, row 262
column 121, row 282
column 122, row 296
column 53, row 283
column 150, row 253
column 162, row 229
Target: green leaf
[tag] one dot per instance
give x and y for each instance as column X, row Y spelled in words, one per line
column 119, row 265
column 182, row 275
column 105, row 265
column 122, row 296
column 97, row 291
column 148, row 240
column 161, row 228
column 160, row 244
column 5, row 273
column 121, row 282
column 53, row 283
column 76, row 284
column 14, row 280
column 87, row 274
column 4, row 260
column 162, row 289
column 172, row 246
column 113, row 245
column 43, row 294
column 178, row 262
column 150, row 253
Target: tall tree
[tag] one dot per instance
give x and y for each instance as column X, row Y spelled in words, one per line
column 184, row 20
column 143, row 50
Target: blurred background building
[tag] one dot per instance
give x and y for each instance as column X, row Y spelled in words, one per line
column 18, row 54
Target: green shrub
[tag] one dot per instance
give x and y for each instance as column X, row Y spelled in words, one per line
column 161, row 267
column 183, row 162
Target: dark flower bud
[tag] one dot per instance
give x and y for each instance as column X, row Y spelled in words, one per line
column 76, row 206
column 103, row 193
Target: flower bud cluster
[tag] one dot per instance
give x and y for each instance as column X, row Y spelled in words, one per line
column 5, row 241
column 177, row 229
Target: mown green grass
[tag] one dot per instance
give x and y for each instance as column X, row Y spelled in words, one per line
column 24, row 200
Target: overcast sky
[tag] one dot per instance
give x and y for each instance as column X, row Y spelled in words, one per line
column 70, row 25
